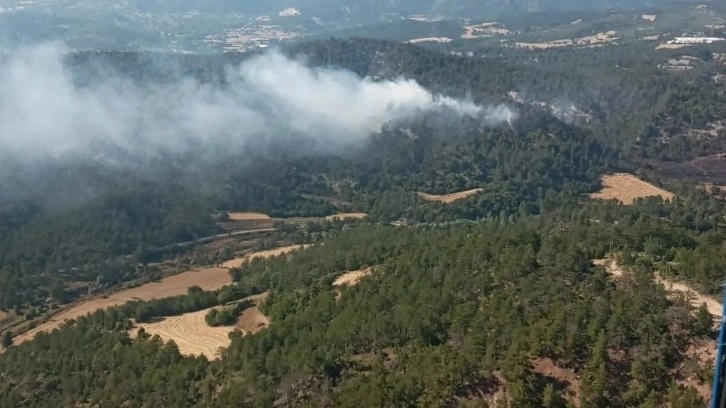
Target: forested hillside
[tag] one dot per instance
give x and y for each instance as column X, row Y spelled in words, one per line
column 490, row 300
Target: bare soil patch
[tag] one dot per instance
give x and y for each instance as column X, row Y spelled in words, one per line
column 3, row 315
column 564, row 378
column 252, row 320
column 248, row 216
column 627, row 187
column 449, row 198
column 237, row 262
column 649, row 17
column 346, row 216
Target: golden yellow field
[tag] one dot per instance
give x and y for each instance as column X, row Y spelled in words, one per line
column 205, row 278
column 449, row 198
column 248, row 216
column 195, row 337
column 627, row 187
column 191, row 333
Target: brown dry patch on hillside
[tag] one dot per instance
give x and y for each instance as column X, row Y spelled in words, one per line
column 700, row 353
column 564, row 379
column 627, row 187
column 3, row 315
column 252, row 320
column 449, row 198
column 346, row 216
column 191, row 333
column 237, row 262
column 248, row 216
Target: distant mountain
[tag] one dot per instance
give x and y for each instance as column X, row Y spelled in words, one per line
column 363, row 11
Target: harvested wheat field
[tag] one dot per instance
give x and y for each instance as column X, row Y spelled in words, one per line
column 627, row 187
column 195, row 337
column 352, row 278
column 449, row 198
column 237, row 262
column 248, row 216
column 205, row 278
column 346, row 216
column 191, row 333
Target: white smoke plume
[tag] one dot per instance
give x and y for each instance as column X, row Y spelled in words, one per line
column 42, row 112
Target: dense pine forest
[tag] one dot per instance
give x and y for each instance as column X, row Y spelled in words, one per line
column 465, row 301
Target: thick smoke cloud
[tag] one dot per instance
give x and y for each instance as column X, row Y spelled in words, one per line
column 269, row 96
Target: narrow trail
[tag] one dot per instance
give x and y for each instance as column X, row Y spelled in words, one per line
column 696, row 299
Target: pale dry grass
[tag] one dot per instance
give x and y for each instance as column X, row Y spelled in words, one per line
column 353, row 277
column 248, row 216
column 237, row 262
column 449, row 198
column 346, row 216
column 484, row 30
column 3, row 315
column 440, row 40
column 627, row 187
column 191, row 333
column 195, row 337
column 205, row 278
column 667, row 46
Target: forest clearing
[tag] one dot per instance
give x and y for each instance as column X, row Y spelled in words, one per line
column 237, row 262
column 449, row 198
column 346, row 216
column 353, row 277
column 247, row 216
column 206, row 278
column 195, row 337
column 191, row 333
column 626, row 188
